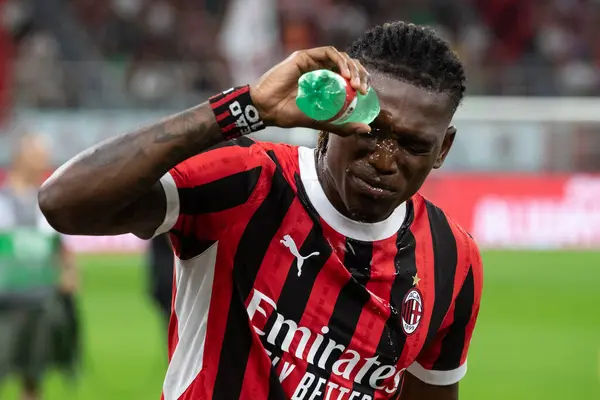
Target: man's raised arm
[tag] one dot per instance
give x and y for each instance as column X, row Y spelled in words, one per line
column 115, row 187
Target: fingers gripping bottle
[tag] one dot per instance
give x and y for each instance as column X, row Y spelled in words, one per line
column 324, row 95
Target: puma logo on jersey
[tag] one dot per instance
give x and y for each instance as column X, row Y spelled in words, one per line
column 288, row 242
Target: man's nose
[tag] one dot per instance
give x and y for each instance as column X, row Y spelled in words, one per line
column 385, row 157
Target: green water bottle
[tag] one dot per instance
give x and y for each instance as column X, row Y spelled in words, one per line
column 324, row 95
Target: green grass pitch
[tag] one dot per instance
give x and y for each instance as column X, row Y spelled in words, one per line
column 538, row 335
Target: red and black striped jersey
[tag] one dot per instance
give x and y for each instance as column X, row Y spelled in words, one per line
column 279, row 296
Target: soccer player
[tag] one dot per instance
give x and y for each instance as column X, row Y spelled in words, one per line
column 301, row 273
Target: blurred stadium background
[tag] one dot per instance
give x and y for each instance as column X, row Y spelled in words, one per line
column 523, row 176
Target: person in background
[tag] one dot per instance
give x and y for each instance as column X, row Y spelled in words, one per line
column 38, row 277
column 160, row 262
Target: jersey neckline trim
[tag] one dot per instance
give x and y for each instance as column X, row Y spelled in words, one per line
column 368, row 232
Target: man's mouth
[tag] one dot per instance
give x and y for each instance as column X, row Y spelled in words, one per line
column 374, row 189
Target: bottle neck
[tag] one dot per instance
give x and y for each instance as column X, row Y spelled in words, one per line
column 349, row 102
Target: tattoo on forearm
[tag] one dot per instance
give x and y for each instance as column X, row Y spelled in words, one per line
column 185, row 121
column 89, row 192
column 184, row 134
column 129, row 164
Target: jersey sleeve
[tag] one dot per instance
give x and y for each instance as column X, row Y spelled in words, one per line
column 203, row 192
column 444, row 361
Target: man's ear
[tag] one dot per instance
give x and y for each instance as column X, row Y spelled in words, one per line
column 446, row 145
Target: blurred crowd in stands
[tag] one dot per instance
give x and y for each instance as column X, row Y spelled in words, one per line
column 165, row 52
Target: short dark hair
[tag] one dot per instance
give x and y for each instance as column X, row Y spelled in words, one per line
column 413, row 54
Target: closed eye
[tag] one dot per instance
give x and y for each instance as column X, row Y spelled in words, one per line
column 419, row 152
column 416, row 147
column 413, row 142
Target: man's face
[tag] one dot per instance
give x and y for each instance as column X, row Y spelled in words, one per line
column 369, row 175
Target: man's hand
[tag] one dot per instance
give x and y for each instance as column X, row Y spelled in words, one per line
column 69, row 274
column 415, row 389
column 275, row 93
column 69, row 282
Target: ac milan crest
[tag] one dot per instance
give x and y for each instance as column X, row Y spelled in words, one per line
column 412, row 311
